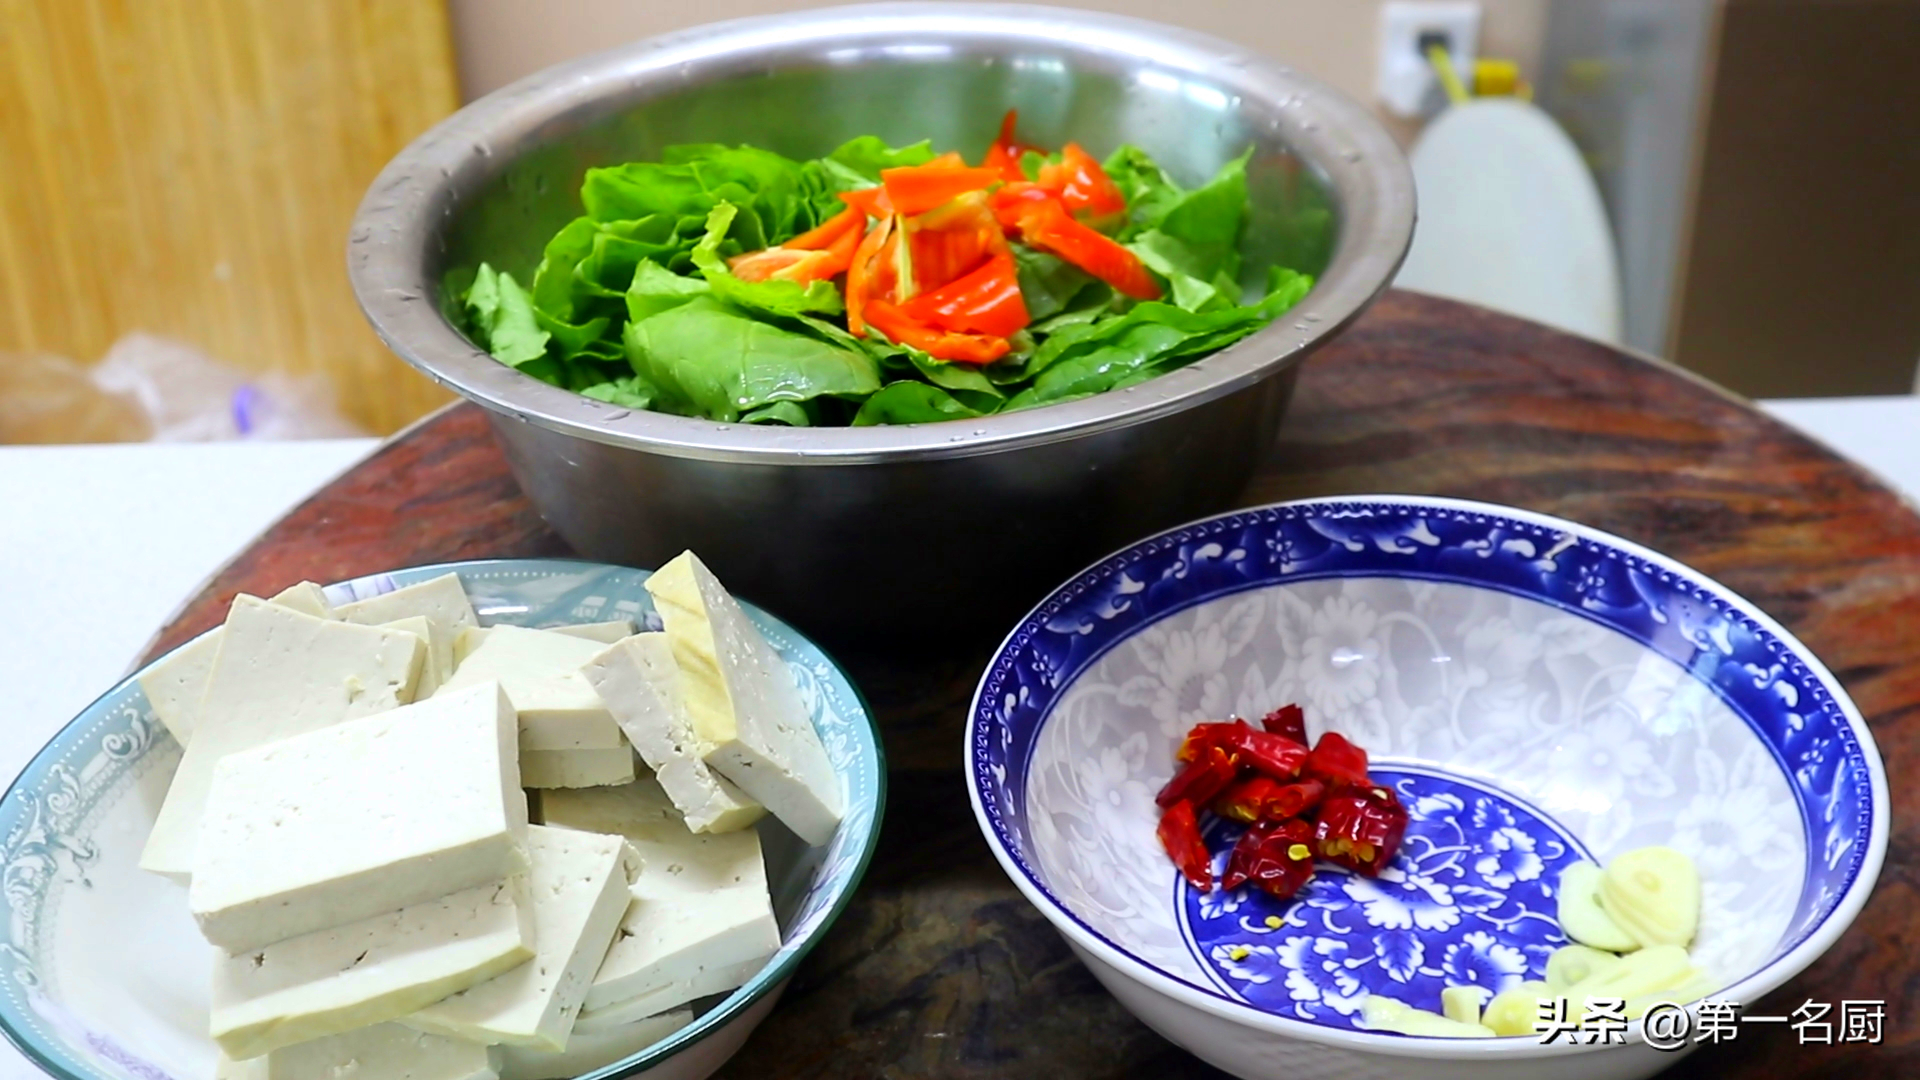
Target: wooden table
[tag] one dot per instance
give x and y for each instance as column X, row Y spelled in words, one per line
column 940, row 970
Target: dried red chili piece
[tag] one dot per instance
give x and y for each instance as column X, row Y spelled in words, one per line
column 1277, row 858
column 1360, row 829
column 1287, row 720
column 1275, row 755
column 1180, row 834
column 1293, row 800
column 1247, row 800
column 1338, row 763
column 1201, row 736
column 1200, row 781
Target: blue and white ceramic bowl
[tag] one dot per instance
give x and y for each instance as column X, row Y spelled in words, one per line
column 107, row 973
column 1538, row 692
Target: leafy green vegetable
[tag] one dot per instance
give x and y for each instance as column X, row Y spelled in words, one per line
column 911, row 403
column 781, row 298
column 857, row 163
column 1183, row 268
column 1149, row 191
column 656, row 289
column 631, row 391
column 1209, row 221
column 789, row 413
column 501, row 315
column 1048, row 284
column 712, row 360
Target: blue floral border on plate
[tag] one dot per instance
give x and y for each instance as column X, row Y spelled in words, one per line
column 1679, row 614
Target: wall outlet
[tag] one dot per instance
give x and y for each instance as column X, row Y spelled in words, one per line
column 1405, row 80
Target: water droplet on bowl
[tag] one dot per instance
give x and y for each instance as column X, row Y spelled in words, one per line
column 620, row 414
column 483, row 149
column 1301, row 326
column 1311, row 317
column 979, row 431
column 1350, row 155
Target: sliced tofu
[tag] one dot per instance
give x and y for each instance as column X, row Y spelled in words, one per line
column 606, row 633
column 744, row 704
column 430, row 635
column 589, row 1052
column 175, row 686
column 700, row 905
column 639, row 681
column 384, row 1052
column 699, row 984
column 579, row 884
column 359, row 819
column 442, row 601
column 225, row 1068
column 279, row 673
column 576, row 768
column 368, row 972
column 540, row 670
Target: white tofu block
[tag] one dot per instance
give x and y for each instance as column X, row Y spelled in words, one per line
column 639, row 680
column 465, row 641
column 701, row 903
column 369, row 972
column 441, row 601
column 280, row 673
column 579, row 886
column 384, row 1052
column 576, row 768
column 707, row 981
column 430, row 635
column 225, row 1068
column 359, row 819
column 743, row 702
column 590, row 1052
column 540, row 670
column 175, row 686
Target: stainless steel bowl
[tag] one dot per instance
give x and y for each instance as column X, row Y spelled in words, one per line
column 848, row 531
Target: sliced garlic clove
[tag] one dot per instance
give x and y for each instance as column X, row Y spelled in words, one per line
column 1572, row 964
column 1649, row 971
column 1582, row 917
column 1698, row 984
column 1653, row 893
column 1461, row 1004
column 1385, row 1014
column 1515, row 1011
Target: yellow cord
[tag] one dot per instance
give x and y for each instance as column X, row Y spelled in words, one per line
column 1449, row 79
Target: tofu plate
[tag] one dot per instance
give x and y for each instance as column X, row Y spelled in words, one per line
column 479, row 821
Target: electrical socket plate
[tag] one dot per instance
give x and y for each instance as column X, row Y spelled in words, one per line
column 1405, row 81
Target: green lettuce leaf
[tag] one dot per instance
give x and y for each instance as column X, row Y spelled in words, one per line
column 631, row 391
column 1209, row 221
column 788, row 413
column 500, row 314
column 1048, row 283
column 1149, row 191
column 1184, row 270
column 709, row 359
column 908, row 402
column 656, row 289
column 781, row 298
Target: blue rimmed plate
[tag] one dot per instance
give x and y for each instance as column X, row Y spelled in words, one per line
column 1537, row 691
column 108, row 972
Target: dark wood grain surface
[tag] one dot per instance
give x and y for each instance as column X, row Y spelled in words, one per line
column 940, row 970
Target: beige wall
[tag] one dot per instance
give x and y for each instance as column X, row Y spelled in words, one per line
column 498, row 41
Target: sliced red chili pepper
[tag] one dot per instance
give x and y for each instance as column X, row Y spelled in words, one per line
column 864, row 275
column 986, row 301
column 1361, row 830
column 939, row 344
column 1293, row 800
column 1082, row 186
column 1277, row 858
column 829, row 231
column 916, row 189
column 869, row 201
column 1179, row 833
column 1044, row 223
column 1199, row 781
column 1203, row 735
column 1246, row 800
column 953, row 240
column 1005, row 153
column 1275, row 755
column 785, row 263
column 1338, row 763
column 1288, row 720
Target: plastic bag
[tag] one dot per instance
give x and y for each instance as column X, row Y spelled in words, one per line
column 151, row 388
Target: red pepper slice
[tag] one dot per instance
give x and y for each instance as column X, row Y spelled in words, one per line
column 1288, row 720
column 869, row 201
column 1275, row 755
column 1082, row 186
column 1247, row 800
column 829, row 231
column 1361, row 830
column 986, row 301
column 916, row 189
column 1043, row 222
column 1005, row 153
column 863, row 274
column 1293, row 800
column 1200, row 781
column 953, row 240
column 1338, row 763
column 1278, row 859
column 1180, row 834
column 939, row 344
column 787, row 263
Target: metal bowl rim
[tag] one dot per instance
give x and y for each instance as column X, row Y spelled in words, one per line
column 398, row 224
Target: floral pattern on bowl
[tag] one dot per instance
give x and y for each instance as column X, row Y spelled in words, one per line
column 1604, row 697
column 107, row 973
